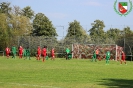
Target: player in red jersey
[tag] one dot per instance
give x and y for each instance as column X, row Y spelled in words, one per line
column 38, row 53
column 44, row 52
column 123, row 57
column 52, row 54
column 7, row 52
column 20, row 52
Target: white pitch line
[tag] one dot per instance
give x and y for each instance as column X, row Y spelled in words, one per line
column 31, row 85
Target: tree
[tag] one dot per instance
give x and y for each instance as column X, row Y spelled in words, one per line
column 76, row 33
column 16, row 11
column 113, row 35
column 20, row 25
column 5, row 8
column 28, row 12
column 5, row 32
column 43, row 26
column 127, row 31
column 96, row 32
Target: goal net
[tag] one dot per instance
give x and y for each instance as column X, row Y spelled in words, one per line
column 86, row 51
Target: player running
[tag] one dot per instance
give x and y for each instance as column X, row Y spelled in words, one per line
column 14, row 51
column 123, row 57
column 52, row 54
column 44, row 52
column 20, row 52
column 7, row 50
column 38, row 53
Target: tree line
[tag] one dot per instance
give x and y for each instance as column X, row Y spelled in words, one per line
column 16, row 21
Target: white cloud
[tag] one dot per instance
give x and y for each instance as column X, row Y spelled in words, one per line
column 57, row 15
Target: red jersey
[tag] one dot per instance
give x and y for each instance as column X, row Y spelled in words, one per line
column 7, row 50
column 52, row 52
column 38, row 50
column 123, row 56
column 44, row 50
column 20, row 50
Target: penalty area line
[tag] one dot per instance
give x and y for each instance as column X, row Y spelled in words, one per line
column 30, row 85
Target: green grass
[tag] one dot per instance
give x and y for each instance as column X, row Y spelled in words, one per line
column 61, row 73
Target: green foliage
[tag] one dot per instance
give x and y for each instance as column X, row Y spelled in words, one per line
column 5, row 32
column 75, row 30
column 5, row 8
column 43, row 26
column 76, row 33
column 97, row 29
column 20, row 25
column 16, row 10
column 60, row 73
column 113, row 33
column 28, row 12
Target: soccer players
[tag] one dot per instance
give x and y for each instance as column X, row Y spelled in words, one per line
column 27, row 53
column 14, row 51
column 44, row 51
column 67, row 53
column 97, row 54
column 107, row 57
column 24, row 52
column 52, row 54
column 20, row 52
column 7, row 50
column 94, row 56
column 38, row 53
column 123, row 57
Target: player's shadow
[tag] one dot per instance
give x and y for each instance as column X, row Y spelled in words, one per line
column 117, row 83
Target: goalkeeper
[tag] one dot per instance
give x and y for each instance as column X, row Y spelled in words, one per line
column 67, row 53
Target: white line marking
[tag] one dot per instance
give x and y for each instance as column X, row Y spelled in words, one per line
column 31, row 85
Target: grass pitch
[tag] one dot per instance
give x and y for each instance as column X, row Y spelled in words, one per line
column 61, row 73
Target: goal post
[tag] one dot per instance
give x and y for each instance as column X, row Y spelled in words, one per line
column 85, row 51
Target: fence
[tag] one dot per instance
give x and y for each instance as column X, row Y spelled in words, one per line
column 60, row 42
column 60, row 45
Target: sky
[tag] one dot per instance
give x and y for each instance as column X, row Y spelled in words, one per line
column 62, row 12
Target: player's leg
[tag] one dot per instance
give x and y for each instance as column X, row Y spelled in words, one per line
column 43, row 58
column 13, row 55
column 93, row 58
column 28, row 55
column 124, row 61
column 106, row 59
column 19, row 55
column 121, row 61
column 7, row 55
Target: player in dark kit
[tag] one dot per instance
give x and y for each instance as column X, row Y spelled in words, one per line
column 107, row 57
column 14, row 51
column 94, row 56
column 44, row 53
column 27, row 53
